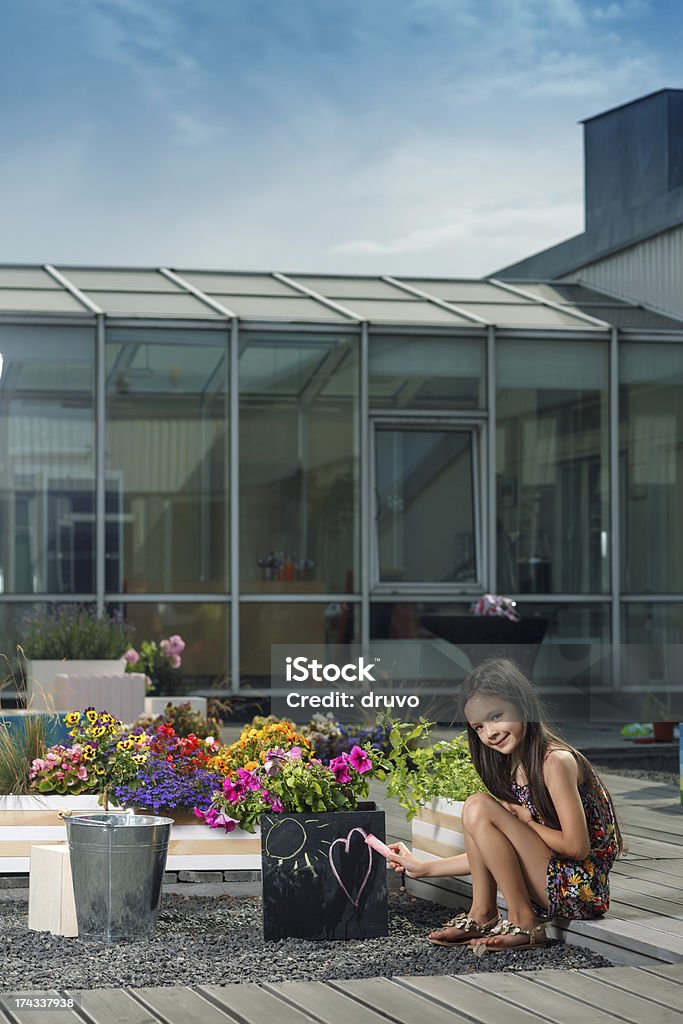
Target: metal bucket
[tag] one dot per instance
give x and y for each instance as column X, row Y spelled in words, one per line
column 118, row 863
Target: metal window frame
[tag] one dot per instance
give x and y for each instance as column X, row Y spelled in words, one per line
column 478, row 428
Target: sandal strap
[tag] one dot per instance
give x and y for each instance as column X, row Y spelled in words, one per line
column 506, row 927
column 467, row 924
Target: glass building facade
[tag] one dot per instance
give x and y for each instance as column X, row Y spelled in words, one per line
column 250, row 459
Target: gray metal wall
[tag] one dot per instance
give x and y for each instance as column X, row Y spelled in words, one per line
column 649, row 272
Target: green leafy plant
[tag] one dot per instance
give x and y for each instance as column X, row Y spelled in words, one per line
column 185, row 721
column 417, row 772
column 75, row 632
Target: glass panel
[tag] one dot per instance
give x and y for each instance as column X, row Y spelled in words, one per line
column 651, row 445
column 405, row 311
column 652, row 661
column 47, row 301
column 276, row 622
column 426, row 373
column 26, row 277
column 236, row 284
column 152, row 304
column 519, row 315
column 167, row 459
column 259, row 307
column 205, row 628
column 119, row 280
column 351, row 287
column 552, row 467
column 425, row 514
column 47, row 461
column 463, row 291
column 299, row 461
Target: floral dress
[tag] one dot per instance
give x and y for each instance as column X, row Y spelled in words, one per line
column 580, row 888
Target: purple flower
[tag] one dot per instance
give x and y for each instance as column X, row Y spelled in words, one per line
column 294, row 753
column 359, row 760
column 132, row 656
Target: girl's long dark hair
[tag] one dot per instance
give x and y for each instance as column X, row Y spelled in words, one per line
column 500, row 677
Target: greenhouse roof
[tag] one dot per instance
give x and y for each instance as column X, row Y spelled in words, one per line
column 180, row 293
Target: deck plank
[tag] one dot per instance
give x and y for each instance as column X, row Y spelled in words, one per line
column 555, row 1006
column 254, row 1004
column 623, row 1005
column 672, row 972
column 629, row 979
column 483, row 1007
column 112, row 1006
column 397, row 1002
column 327, row 1002
column 33, row 1015
column 182, row 1006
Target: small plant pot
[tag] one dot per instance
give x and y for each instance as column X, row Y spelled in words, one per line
column 663, row 732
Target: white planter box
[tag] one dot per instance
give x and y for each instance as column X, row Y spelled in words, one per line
column 32, row 820
column 41, row 678
column 437, row 829
column 74, row 685
column 156, row 705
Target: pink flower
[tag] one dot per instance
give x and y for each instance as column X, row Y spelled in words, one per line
column 132, row 656
column 165, row 646
column 59, row 776
column 82, row 773
column 294, row 754
column 177, row 644
column 340, row 769
column 248, row 780
column 276, row 806
column 226, row 821
column 176, row 661
column 359, row 760
column 199, row 813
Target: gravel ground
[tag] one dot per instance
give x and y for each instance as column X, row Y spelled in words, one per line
column 218, row 941
column 669, row 778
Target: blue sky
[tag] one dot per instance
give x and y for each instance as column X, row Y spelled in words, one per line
column 369, row 136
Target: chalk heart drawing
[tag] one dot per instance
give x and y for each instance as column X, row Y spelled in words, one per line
column 343, row 851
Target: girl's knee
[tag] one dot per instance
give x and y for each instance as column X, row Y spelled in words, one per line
column 478, row 808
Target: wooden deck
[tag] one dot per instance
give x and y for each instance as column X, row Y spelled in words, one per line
column 645, row 922
column 627, row 994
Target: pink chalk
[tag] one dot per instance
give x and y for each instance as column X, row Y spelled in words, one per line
column 378, row 845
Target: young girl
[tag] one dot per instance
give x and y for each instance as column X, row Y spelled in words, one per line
column 547, row 835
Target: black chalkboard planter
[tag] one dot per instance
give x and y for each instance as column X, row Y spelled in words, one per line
column 320, row 878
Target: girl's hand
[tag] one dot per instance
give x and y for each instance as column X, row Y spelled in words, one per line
column 518, row 810
column 404, row 860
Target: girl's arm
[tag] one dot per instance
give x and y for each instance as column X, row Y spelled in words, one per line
column 571, row 840
column 415, row 867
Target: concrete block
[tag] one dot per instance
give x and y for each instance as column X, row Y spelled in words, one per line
column 200, row 876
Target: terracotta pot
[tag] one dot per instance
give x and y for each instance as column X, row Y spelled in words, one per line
column 663, row 732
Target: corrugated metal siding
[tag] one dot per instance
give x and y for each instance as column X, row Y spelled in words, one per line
column 651, row 272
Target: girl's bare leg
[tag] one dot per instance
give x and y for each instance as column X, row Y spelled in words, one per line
column 483, row 890
column 514, row 856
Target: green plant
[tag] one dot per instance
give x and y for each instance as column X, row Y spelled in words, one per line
column 417, row 774
column 74, row 632
column 18, row 750
column 185, row 721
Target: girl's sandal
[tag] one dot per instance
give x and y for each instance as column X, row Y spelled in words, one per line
column 468, row 927
column 506, row 927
